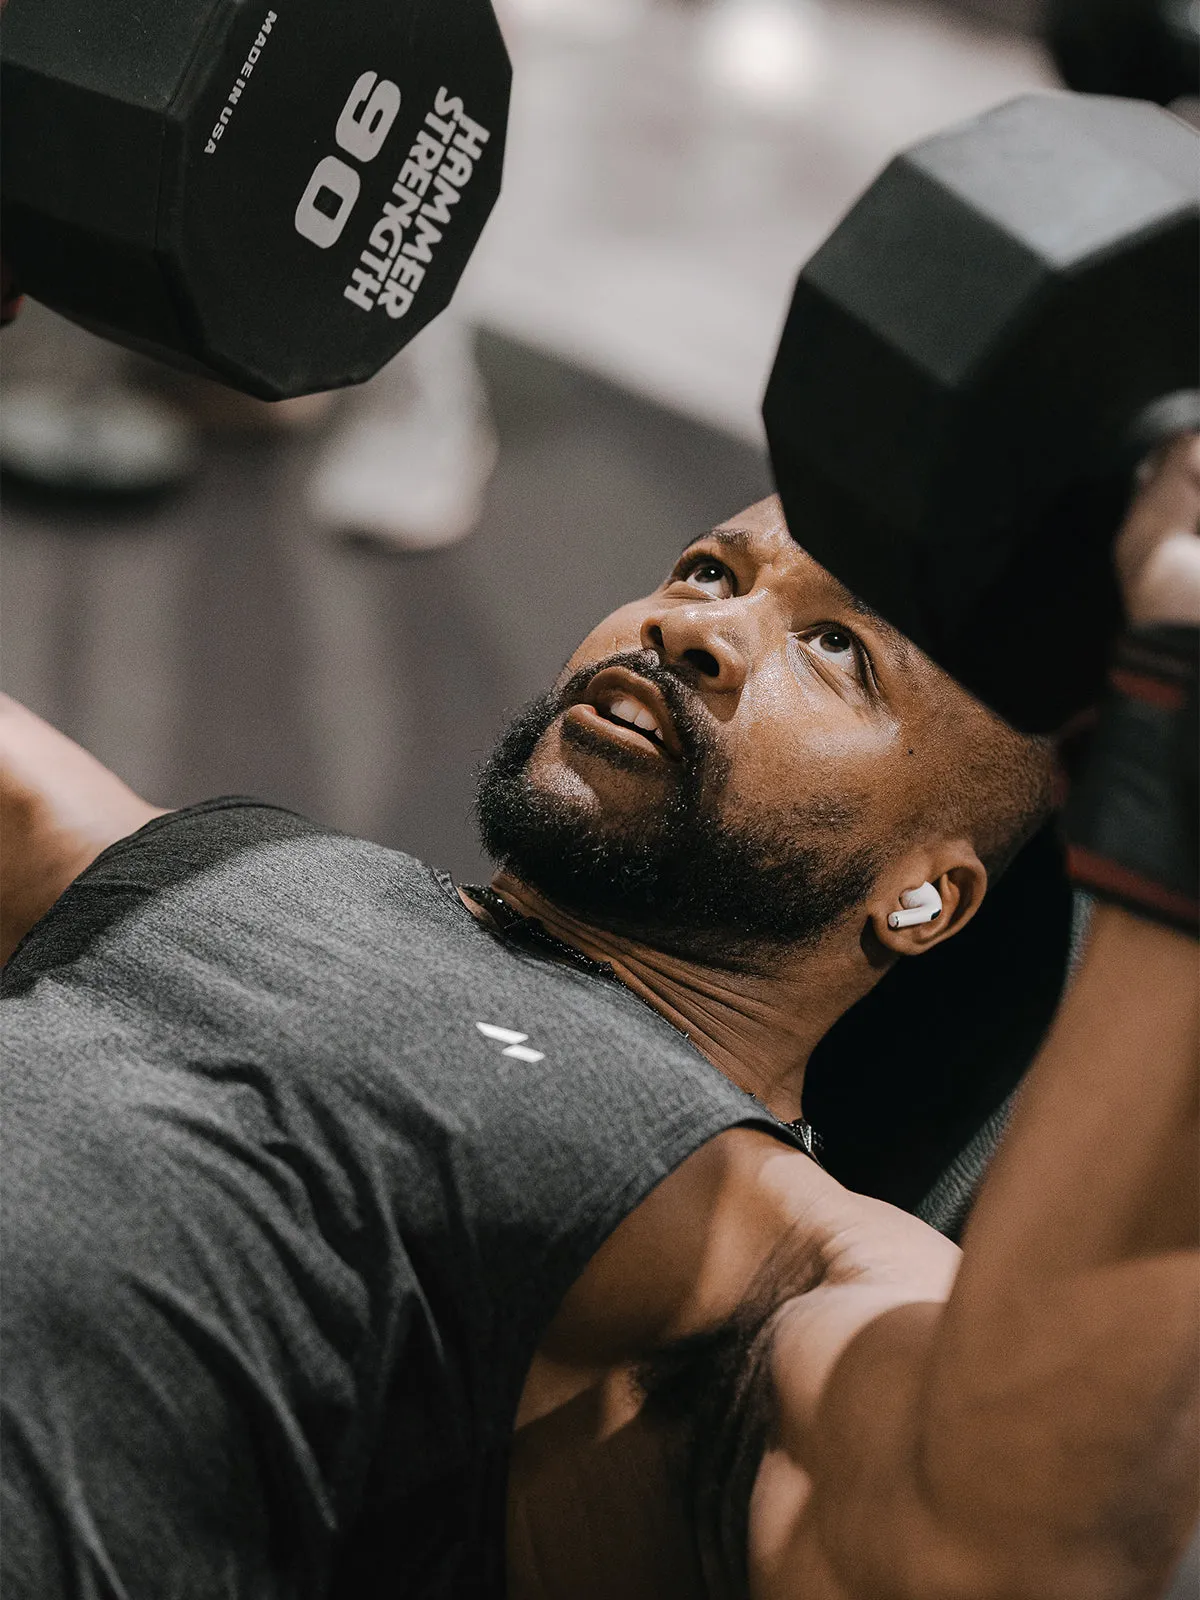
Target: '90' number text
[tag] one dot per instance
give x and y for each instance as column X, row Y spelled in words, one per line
column 365, row 122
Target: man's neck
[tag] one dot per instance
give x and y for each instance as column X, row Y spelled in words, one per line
column 758, row 1030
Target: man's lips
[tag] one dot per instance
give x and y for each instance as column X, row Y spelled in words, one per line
column 631, row 707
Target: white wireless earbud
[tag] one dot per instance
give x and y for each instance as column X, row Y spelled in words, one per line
column 920, row 905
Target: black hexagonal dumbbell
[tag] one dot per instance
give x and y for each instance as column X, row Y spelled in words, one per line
column 280, row 193
column 971, row 364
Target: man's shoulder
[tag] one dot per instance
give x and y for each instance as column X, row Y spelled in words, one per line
column 363, row 937
column 227, row 830
column 215, row 844
column 230, row 887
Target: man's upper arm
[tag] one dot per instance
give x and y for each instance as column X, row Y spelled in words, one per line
column 59, row 808
column 846, row 1364
column 743, row 1205
column 693, row 1279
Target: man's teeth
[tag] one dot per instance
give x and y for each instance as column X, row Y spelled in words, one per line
column 626, row 710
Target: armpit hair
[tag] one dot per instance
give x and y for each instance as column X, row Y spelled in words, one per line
column 712, row 1394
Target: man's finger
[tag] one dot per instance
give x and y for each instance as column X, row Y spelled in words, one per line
column 1158, row 552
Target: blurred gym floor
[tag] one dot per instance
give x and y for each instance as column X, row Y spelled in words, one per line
column 670, row 165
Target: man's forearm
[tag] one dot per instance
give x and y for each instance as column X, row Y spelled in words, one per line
column 1100, row 1162
column 1058, row 1411
column 1035, row 1437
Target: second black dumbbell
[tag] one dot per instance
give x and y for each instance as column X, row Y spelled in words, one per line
column 972, row 365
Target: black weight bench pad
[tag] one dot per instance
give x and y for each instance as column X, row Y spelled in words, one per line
column 910, row 1090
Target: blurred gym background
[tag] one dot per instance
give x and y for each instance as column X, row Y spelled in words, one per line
column 334, row 605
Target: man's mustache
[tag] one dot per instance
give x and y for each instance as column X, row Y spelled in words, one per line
column 692, row 719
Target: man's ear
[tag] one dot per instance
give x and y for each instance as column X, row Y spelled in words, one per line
column 960, row 879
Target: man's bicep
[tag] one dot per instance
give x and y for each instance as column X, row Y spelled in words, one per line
column 837, row 1511
column 875, row 1258
column 846, row 1363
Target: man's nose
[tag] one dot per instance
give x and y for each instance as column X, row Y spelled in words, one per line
column 707, row 637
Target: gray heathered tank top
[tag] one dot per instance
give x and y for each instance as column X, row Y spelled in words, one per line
column 300, row 1161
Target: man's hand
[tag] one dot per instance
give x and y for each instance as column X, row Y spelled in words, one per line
column 1158, row 550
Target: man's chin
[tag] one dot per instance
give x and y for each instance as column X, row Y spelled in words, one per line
column 593, row 827
column 579, row 765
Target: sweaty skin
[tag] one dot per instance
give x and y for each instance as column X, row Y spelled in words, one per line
column 1026, row 1432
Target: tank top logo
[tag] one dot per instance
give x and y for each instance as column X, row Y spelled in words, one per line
column 515, row 1046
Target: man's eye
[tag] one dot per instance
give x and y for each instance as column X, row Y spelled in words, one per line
column 834, row 642
column 707, row 574
column 837, row 646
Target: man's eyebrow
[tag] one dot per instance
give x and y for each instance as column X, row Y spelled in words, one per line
column 732, row 538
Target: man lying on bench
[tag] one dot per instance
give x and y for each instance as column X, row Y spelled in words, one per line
column 370, row 1235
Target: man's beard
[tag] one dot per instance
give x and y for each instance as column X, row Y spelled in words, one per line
column 680, row 878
